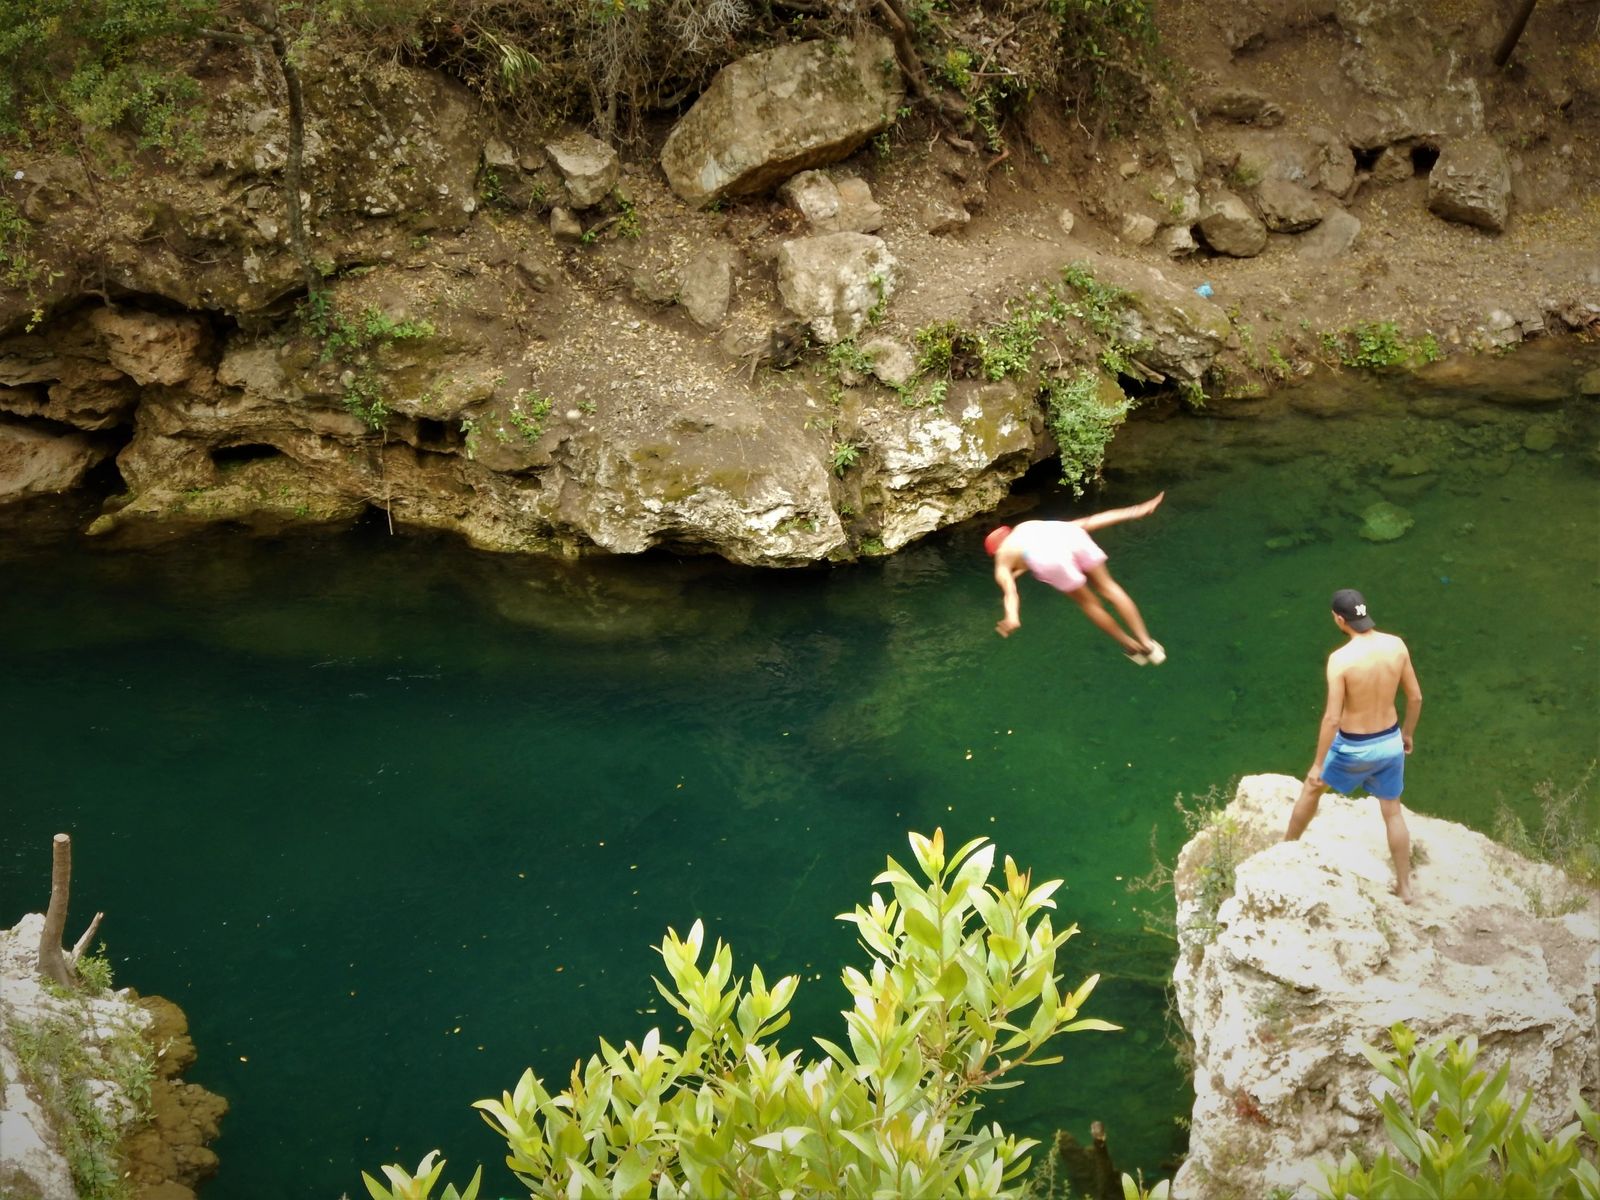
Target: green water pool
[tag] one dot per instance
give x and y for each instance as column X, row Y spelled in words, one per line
column 392, row 820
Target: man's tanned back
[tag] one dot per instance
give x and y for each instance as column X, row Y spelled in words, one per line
column 1372, row 669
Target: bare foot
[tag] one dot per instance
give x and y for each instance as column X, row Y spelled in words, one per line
column 1405, row 894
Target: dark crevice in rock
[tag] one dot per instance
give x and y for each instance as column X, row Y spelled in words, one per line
column 1142, row 389
column 1423, row 156
column 1366, row 159
column 51, row 426
column 225, row 456
column 104, row 480
column 438, row 437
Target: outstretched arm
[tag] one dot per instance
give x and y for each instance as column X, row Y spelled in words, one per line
column 1007, row 579
column 1114, row 516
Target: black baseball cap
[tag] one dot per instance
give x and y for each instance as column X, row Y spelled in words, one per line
column 1352, row 606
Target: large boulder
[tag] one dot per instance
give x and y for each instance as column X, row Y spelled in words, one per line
column 37, row 461
column 709, row 473
column 1287, row 207
column 835, row 281
column 769, row 115
column 1229, row 227
column 1318, row 159
column 708, row 285
column 1313, row 955
column 1471, row 183
column 1331, row 237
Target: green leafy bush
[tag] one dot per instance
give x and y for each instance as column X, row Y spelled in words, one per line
column 90, row 66
column 959, row 993
column 1379, row 344
column 1082, row 423
column 1456, row 1137
column 406, row 1186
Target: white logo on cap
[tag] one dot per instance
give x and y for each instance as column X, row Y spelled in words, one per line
column 1361, row 610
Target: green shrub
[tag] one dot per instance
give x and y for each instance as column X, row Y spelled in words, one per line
column 94, row 972
column 1082, row 424
column 1455, row 1137
column 1568, row 837
column 960, row 992
column 1378, row 344
column 85, row 67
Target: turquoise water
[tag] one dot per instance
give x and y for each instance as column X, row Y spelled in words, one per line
column 393, row 821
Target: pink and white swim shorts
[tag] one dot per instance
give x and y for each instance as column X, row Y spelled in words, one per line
column 1058, row 553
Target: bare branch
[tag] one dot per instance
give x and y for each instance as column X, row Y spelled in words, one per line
column 82, row 943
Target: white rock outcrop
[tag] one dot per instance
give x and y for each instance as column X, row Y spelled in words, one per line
column 589, row 168
column 32, row 1159
column 1313, row 955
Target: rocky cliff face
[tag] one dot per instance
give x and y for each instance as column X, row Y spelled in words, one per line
column 545, row 346
column 1313, row 955
column 120, row 1055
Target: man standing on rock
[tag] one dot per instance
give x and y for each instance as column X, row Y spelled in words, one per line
column 1062, row 554
column 1362, row 742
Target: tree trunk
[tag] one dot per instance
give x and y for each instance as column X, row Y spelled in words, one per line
column 292, row 168
column 53, row 963
column 265, row 19
column 1513, row 33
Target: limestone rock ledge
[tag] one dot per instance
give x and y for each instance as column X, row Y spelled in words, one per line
column 127, row 1042
column 1313, row 955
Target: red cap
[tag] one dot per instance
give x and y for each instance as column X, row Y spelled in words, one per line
column 996, row 536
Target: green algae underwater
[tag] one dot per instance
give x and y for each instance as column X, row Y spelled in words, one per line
column 392, row 820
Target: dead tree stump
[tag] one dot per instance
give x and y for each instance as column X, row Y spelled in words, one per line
column 54, row 962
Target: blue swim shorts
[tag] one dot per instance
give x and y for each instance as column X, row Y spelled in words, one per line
column 1375, row 761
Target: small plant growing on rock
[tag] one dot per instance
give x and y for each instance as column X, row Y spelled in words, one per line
column 527, row 414
column 843, row 456
column 847, row 356
column 1455, row 1136
column 880, row 306
column 353, row 343
column 1376, row 345
column 1565, row 837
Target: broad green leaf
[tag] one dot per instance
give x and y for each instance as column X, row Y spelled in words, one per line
column 784, row 1140
column 922, row 930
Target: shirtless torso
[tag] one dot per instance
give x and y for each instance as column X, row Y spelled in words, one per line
column 1369, row 671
